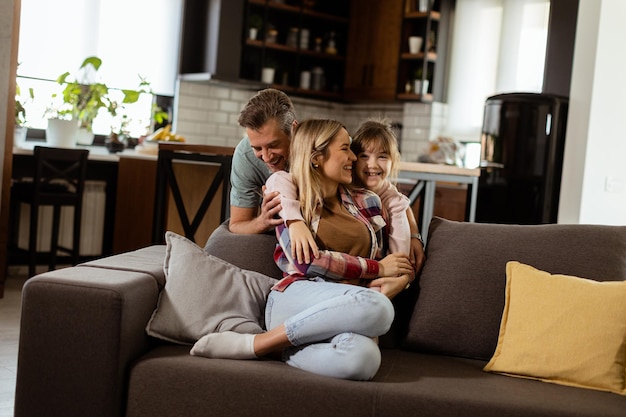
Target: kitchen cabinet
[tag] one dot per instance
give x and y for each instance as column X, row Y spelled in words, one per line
column 373, row 47
column 304, row 41
column 421, row 74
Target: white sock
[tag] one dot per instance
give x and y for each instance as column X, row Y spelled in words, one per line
column 225, row 345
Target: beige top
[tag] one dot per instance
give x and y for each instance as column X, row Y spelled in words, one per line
column 341, row 231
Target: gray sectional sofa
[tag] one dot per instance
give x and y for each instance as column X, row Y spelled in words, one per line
column 84, row 350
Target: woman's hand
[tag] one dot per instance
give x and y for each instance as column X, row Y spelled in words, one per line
column 390, row 286
column 302, row 242
column 395, row 264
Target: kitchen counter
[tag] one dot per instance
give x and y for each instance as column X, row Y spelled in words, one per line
column 96, row 152
column 425, row 176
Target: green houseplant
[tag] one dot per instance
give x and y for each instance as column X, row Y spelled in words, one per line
column 84, row 97
column 20, row 115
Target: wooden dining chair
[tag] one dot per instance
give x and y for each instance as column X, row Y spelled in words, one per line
column 58, row 181
column 167, row 183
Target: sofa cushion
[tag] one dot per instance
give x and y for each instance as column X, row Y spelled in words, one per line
column 408, row 384
column 254, row 252
column 562, row 329
column 461, row 287
column 204, row 294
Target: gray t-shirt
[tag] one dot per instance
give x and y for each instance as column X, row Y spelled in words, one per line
column 247, row 176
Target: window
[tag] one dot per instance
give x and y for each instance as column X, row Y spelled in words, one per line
column 504, row 53
column 132, row 37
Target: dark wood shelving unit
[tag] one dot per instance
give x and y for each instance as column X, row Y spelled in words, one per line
column 324, row 19
column 427, row 66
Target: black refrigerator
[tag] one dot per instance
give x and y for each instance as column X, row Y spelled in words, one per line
column 522, row 139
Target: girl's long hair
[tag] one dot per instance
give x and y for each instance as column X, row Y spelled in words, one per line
column 310, row 140
column 377, row 132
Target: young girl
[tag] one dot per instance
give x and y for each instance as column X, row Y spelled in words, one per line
column 324, row 325
column 376, row 148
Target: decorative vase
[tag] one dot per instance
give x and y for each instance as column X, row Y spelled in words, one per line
column 61, row 133
column 84, row 136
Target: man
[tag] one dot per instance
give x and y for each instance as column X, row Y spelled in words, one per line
column 268, row 118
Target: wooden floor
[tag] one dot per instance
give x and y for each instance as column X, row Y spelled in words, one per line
column 9, row 337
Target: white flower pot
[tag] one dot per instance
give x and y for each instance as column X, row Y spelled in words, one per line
column 267, row 75
column 84, row 137
column 61, row 133
column 19, row 137
column 253, row 33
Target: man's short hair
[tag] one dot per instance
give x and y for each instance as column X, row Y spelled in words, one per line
column 265, row 105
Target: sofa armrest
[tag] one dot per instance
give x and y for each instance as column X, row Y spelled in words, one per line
column 80, row 330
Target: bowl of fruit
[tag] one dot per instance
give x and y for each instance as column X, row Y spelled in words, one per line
column 150, row 144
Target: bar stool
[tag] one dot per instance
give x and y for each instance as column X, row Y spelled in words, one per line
column 166, row 180
column 58, row 181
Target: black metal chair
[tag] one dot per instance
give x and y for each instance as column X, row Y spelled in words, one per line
column 58, row 181
column 166, row 179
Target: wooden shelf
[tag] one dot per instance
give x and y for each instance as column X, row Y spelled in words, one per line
column 431, row 56
column 434, row 15
column 415, row 97
column 298, row 9
column 280, row 47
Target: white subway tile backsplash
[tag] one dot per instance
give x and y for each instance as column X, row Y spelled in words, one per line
column 208, row 114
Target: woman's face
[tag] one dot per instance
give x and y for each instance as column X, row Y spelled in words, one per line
column 337, row 168
column 372, row 167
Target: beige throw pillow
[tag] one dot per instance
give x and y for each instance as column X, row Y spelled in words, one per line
column 562, row 329
column 204, row 294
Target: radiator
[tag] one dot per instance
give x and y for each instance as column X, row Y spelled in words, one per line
column 92, row 223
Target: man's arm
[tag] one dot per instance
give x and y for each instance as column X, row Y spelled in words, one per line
column 244, row 220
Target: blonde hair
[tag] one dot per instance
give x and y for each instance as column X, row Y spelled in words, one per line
column 377, row 132
column 310, row 140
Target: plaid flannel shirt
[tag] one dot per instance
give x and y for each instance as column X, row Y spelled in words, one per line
column 335, row 266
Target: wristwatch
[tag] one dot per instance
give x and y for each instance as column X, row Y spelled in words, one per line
column 418, row 236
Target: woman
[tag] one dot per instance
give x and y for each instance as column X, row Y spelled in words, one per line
column 323, row 324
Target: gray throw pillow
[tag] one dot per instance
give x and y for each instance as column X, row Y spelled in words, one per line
column 204, row 294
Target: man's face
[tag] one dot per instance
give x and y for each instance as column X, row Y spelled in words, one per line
column 271, row 145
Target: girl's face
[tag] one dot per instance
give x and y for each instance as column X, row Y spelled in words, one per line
column 372, row 167
column 337, row 168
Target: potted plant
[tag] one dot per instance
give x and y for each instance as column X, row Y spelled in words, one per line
column 420, row 82
column 255, row 23
column 20, row 116
column 85, row 96
column 120, row 136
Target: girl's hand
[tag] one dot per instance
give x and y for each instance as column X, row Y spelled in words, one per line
column 390, row 286
column 302, row 242
column 395, row 264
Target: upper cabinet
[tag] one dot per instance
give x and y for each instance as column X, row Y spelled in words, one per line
column 426, row 29
column 373, row 46
column 296, row 45
column 354, row 50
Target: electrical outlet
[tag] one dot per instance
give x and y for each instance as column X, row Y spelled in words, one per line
column 614, row 185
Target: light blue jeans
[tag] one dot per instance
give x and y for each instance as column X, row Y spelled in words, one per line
column 331, row 327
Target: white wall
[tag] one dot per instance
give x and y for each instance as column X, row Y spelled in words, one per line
column 593, row 189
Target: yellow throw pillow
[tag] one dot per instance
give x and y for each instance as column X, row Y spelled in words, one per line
column 562, row 329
